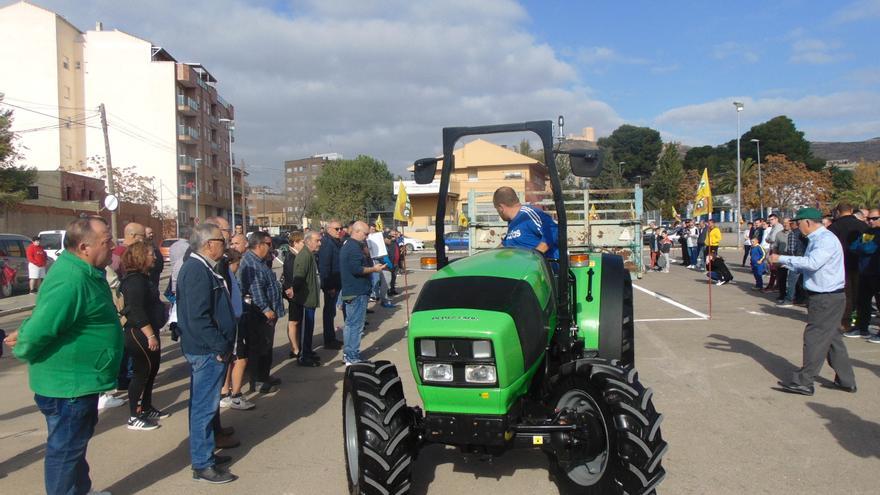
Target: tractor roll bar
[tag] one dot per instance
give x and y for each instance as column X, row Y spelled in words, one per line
column 544, row 130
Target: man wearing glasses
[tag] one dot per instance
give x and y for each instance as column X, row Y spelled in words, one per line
column 824, row 281
column 263, row 306
column 207, row 332
column 331, row 280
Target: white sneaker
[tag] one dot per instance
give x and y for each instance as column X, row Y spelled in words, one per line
column 226, row 401
column 719, row 282
column 108, row 401
column 241, row 404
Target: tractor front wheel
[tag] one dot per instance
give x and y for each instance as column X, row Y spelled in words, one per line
column 378, row 438
column 620, row 447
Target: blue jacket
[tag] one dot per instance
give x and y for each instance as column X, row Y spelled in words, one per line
column 867, row 247
column 351, row 263
column 757, row 256
column 204, row 310
column 328, row 263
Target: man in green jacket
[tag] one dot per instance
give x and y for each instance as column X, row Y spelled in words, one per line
column 306, row 290
column 73, row 345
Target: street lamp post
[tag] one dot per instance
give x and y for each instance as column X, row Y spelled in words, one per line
column 760, row 181
column 739, row 108
column 230, row 126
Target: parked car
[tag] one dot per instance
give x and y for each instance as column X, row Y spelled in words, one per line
column 165, row 248
column 457, row 241
column 53, row 242
column 12, row 254
column 410, row 244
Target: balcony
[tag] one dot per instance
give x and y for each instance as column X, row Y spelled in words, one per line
column 215, row 147
column 215, row 120
column 185, row 193
column 187, row 105
column 186, row 163
column 187, row 134
column 186, row 76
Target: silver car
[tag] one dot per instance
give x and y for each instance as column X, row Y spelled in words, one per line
column 12, row 253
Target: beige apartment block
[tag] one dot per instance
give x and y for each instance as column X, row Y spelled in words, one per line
column 300, row 178
column 166, row 118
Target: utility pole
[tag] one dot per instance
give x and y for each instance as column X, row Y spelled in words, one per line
column 243, row 202
column 110, row 188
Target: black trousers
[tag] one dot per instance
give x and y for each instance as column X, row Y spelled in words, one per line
column 869, row 287
column 852, row 295
column 685, row 255
column 145, row 366
column 262, row 340
column 328, row 316
column 782, row 280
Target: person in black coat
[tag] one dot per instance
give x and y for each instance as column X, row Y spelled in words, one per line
column 144, row 314
column 159, row 261
column 848, row 229
column 331, row 280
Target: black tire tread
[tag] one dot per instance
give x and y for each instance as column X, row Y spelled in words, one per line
column 384, row 429
column 637, row 447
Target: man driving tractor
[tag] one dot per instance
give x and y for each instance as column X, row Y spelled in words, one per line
column 527, row 226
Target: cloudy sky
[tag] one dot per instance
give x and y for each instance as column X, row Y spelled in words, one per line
column 382, row 77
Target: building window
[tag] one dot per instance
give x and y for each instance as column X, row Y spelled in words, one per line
column 67, row 193
column 66, row 92
column 33, row 192
column 66, row 63
column 472, row 174
column 289, row 170
column 77, row 65
column 68, row 151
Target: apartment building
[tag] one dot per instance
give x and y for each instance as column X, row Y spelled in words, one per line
column 166, row 118
column 300, row 178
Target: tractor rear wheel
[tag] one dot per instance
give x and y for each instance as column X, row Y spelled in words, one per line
column 622, row 451
column 377, row 430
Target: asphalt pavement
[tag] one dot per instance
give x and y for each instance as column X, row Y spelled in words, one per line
column 729, row 431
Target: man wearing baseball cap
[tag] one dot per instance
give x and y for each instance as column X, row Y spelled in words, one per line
column 824, row 282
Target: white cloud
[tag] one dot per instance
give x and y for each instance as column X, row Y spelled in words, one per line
column 814, row 51
column 734, row 50
column 843, row 115
column 857, row 11
column 374, row 77
column 603, row 55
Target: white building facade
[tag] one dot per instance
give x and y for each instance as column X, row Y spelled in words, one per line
column 165, row 118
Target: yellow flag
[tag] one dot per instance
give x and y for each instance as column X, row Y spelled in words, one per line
column 703, row 200
column 402, row 208
column 379, row 225
column 462, row 220
column 594, row 215
column 675, row 214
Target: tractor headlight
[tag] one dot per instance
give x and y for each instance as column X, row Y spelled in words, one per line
column 428, row 348
column 482, row 349
column 480, row 373
column 437, row 372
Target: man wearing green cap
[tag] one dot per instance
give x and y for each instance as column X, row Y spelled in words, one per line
column 824, row 282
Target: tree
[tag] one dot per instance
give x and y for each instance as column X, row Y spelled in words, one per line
column 778, row 136
column 715, row 159
column 791, row 184
column 637, row 147
column 866, row 174
column 687, row 188
column 665, row 183
column 129, row 186
column 347, row 189
column 863, row 196
column 14, row 181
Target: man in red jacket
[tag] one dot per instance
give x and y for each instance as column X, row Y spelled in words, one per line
column 36, row 257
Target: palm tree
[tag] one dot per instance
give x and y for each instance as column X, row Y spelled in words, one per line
column 865, row 196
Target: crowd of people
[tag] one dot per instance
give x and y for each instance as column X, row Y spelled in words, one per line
column 95, row 326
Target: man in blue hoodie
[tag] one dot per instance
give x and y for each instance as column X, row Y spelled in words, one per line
column 331, row 280
column 207, row 332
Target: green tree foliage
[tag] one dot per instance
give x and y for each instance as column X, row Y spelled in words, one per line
column 778, row 136
column 664, row 189
column 843, row 180
column 637, row 147
column 715, row 159
column 347, row 189
column 14, row 180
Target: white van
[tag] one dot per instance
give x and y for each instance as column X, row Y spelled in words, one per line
column 52, row 242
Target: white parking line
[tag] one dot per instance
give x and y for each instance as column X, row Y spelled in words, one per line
column 702, row 316
column 669, row 319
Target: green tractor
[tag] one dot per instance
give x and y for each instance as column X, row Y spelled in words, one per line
column 511, row 350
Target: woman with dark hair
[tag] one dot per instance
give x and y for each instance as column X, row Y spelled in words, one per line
column 143, row 315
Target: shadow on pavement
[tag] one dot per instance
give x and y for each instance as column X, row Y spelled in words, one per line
column 856, row 435
column 433, row 456
column 273, row 413
column 775, row 364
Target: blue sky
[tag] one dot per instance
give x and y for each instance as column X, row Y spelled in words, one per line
column 382, row 77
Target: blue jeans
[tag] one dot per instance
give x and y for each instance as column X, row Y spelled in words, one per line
column 306, row 331
column 206, row 377
column 355, row 314
column 329, row 315
column 692, row 254
column 71, row 423
column 791, row 285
